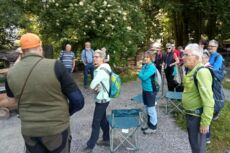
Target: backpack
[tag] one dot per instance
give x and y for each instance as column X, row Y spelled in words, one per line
column 156, row 81
column 217, row 88
column 219, row 73
column 115, row 84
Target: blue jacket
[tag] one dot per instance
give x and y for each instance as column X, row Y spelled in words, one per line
column 216, row 63
column 145, row 75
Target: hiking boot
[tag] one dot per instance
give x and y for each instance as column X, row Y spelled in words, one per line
column 149, row 131
column 87, row 150
column 216, row 116
column 103, row 143
column 144, row 127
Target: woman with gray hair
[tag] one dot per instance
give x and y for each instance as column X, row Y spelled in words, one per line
column 100, row 84
column 197, row 98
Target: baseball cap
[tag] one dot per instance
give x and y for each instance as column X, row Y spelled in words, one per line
column 30, row 40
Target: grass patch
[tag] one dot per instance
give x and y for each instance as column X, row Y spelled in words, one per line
column 220, row 139
column 226, row 83
column 128, row 75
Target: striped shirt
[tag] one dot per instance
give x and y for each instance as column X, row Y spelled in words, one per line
column 67, row 59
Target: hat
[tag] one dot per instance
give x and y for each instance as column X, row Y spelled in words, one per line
column 30, row 40
column 168, row 45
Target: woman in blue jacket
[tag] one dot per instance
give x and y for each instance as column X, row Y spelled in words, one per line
column 149, row 92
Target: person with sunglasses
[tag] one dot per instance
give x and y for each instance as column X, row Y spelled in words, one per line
column 170, row 61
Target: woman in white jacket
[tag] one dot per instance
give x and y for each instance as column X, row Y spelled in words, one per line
column 99, row 83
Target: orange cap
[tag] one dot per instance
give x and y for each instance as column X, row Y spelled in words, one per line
column 30, row 40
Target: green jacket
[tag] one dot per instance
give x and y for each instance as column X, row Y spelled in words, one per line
column 201, row 97
column 43, row 108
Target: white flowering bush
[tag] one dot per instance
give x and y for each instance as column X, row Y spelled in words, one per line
column 115, row 24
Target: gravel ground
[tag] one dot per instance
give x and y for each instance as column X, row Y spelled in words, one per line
column 168, row 139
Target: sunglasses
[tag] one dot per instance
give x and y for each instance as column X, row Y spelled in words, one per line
column 212, row 46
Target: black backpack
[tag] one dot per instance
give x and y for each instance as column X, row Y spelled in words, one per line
column 217, row 88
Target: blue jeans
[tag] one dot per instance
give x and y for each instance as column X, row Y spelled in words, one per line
column 149, row 102
column 196, row 139
column 89, row 68
column 99, row 120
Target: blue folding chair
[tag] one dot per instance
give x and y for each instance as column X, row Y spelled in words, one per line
column 173, row 99
column 126, row 122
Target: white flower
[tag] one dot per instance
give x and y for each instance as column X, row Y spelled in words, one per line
column 93, row 22
column 75, row 4
column 71, row 5
column 105, row 3
column 119, row 11
column 109, row 5
column 65, row 9
column 124, row 13
column 129, row 28
column 84, row 33
column 112, row 26
column 102, row 25
column 57, row 24
column 86, row 11
column 109, row 18
column 102, row 11
column 56, row 4
column 81, row 3
column 124, row 18
column 86, row 26
column 130, row 42
column 100, row 16
column 106, row 20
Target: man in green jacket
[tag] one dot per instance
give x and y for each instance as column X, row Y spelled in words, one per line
column 46, row 96
column 197, row 101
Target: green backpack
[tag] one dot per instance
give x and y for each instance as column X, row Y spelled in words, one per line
column 115, row 84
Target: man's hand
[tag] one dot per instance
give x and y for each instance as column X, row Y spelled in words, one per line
column 204, row 130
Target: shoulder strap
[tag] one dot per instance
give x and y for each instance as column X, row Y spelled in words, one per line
column 106, row 70
column 109, row 73
column 194, row 75
column 24, row 85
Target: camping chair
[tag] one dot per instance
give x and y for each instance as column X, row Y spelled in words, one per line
column 173, row 99
column 125, row 124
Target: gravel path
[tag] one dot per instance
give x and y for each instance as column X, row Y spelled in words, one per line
column 168, row 139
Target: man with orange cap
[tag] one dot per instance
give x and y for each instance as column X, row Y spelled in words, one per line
column 46, row 96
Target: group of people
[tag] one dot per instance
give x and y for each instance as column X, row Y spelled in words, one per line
column 198, row 98
column 46, row 95
column 67, row 57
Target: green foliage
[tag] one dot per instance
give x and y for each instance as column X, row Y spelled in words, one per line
column 117, row 25
column 128, row 75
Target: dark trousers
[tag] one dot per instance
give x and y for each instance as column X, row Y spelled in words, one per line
column 59, row 143
column 170, row 78
column 69, row 70
column 99, row 120
column 89, row 68
column 196, row 139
